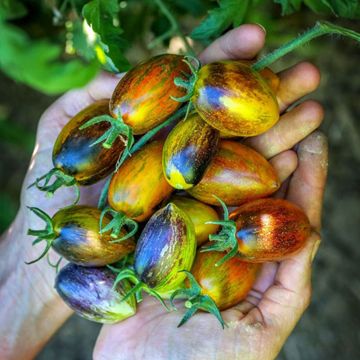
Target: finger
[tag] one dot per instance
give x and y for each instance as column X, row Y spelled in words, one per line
column 293, row 126
column 243, row 42
column 307, row 185
column 101, row 87
column 284, row 164
column 296, row 82
column 283, row 303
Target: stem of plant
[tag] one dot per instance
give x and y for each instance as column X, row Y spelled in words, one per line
column 174, row 29
column 320, row 28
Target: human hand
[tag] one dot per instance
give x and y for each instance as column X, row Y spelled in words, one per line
column 258, row 326
column 243, row 43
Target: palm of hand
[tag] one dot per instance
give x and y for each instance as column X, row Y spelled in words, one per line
column 258, row 326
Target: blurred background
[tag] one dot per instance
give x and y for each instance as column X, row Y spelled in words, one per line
column 47, row 47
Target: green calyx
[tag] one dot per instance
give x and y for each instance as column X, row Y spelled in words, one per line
column 118, row 221
column 117, row 129
column 225, row 239
column 195, row 301
column 139, row 286
column 60, row 179
column 47, row 234
column 188, row 83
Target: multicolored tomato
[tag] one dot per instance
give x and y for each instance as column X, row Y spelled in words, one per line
column 139, row 185
column 165, row 247
column 142, row 98
column 235, row 99
column 270, row 229
column 227, row 284
column 200, row 214
column 74, row 153
column 90, row 293
column 236, row 174
column 188, row 151
column 74, row 233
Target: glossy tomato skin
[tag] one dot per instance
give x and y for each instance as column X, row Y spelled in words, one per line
column 78, row 239
column 226, row 284
column 199, row 214
column 188, row 150
column 234, row 99
column 142, row 97
column 166, row 246
column 73, row 154
column 270, row 229
column 89, row 292
column 236, row 174
column 139, row 185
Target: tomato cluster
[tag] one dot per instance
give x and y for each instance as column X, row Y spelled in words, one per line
column 171, row 188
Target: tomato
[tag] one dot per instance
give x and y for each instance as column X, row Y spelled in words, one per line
column 270, row 229
column 235, row 99
column 188, row 151
column 211, row 288
column 139, row 185
column 73, row 153
column 166, row 246
column 89, row 292
column 236, row 174
column 199, row 214
column 142, row 98
column 75, row 234
column 227, row 284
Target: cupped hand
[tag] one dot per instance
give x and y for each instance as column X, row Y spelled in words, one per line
column 258, row 326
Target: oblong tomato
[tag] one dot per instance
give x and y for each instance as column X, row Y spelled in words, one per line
column 226, row 284
column 77, row 237
column 73, row 153
column 199, row 214
column 235, row 99
column 142, row 97
column 165, row 247
column 90, row 293
column 236, row 174
column 139, row 185
column 188, row 150
column 270, row 229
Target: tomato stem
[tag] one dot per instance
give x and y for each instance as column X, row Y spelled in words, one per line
column 61, row 179
column 319, row 29
column 195, row 301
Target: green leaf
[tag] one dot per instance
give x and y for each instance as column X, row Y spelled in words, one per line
column 37, row 64
column 228, row 12
column 343, row 8
column 103, row 17
column 11, row 9
column 289, row 6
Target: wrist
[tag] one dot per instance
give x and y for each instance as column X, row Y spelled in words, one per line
column 28, row 300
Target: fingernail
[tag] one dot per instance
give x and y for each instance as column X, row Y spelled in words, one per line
column 315, row 250
column 261, row 27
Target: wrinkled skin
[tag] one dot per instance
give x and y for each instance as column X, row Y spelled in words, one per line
column 278, row 298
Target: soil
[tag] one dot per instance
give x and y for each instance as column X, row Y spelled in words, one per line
column 330, row 329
